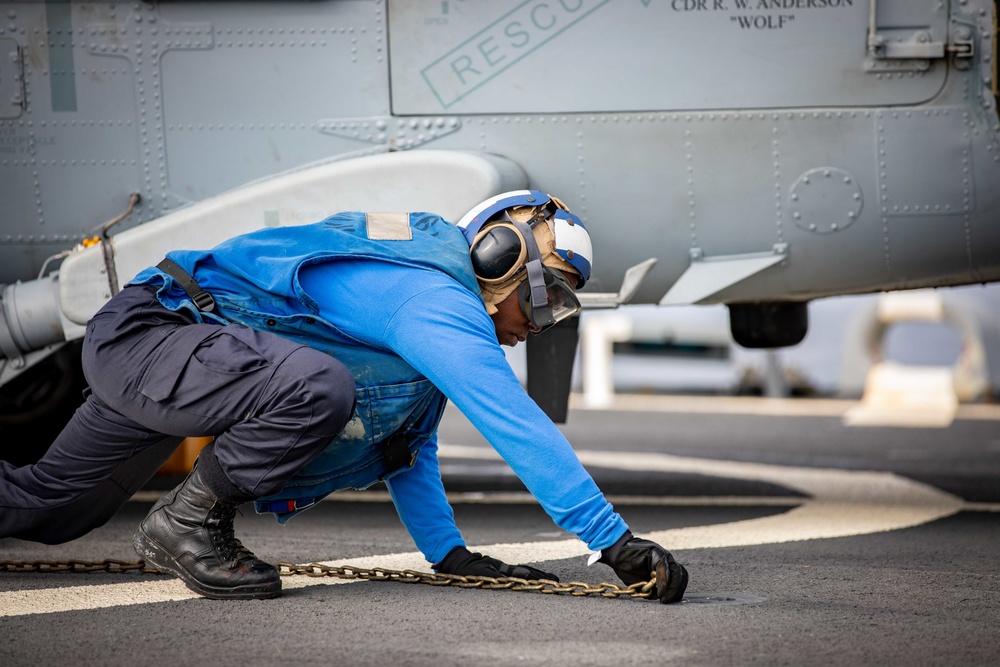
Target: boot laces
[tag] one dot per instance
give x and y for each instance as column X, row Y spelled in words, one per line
column 223, row 535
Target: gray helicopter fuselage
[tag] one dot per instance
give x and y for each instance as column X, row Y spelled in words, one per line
column 761, row 150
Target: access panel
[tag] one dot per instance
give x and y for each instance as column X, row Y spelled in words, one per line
column 539, row 56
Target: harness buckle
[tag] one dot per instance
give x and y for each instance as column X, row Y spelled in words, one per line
column 204, row 301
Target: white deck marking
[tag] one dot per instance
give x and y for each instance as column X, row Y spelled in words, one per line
column 753, row 405
column 76, row 598
column 840, row 503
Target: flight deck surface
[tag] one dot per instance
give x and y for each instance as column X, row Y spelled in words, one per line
column 808, row 542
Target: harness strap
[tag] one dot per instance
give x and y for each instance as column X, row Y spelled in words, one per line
column 536, row 279
column 202, row 299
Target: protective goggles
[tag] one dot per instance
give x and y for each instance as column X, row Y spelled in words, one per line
column 560, row 300
column 501, row 252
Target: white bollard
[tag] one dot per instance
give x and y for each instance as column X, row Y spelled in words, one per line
column 599, row 334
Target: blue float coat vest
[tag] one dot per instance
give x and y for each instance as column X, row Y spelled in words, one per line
column 254, row 281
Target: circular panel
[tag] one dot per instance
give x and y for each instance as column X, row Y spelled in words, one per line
column 825, row 200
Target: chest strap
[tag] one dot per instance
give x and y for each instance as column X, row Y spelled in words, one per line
column 202, row 299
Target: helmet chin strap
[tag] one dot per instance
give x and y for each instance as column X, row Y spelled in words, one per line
column 536, row 278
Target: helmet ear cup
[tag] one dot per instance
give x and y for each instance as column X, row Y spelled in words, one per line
column 497, row 253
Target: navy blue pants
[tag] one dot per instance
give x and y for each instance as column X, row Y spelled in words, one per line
column 155, row 376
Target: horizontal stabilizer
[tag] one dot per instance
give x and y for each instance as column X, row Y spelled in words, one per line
column 709, row 275
column 630, row 284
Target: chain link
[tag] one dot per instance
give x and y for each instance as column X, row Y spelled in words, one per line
column 642, row 589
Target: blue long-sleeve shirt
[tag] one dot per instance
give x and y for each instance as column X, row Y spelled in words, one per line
column 442, row 331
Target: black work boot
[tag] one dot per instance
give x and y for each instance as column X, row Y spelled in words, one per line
column 189, row 532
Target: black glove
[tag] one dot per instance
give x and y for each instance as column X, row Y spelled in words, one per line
column 468, row 564
column 635, row 559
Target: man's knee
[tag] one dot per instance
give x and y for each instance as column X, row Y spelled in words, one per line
column 330, row 386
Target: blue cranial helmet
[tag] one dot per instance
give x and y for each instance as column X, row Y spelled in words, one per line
column 572, row 240
column 503, row 234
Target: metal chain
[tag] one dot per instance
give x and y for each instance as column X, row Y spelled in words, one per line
column 73, row 565
column 642, row 589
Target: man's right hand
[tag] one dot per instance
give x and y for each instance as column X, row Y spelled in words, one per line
column 634, row 559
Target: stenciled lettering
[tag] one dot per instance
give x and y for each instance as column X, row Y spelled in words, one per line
column 688, row 5
column 487, row 51
column 791, row 4
column 764, row 21
column 547, row 25
column 776, row 21
column 519, row 36
column 478, row 59
column 13, row 141
column 461, row 65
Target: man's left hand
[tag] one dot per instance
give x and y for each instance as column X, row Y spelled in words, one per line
column 467, row 563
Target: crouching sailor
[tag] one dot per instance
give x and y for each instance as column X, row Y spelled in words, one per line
column 321, row 357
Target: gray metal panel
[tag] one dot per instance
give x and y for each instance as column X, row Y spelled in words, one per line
column 840, row 143
column 926, row 245
column 255, row 90
column 78, row 145
column 925, row 210
column 733, row 182
column 981, row 228
column 11, row 87
column 266, row 75
column 539, row 56
column 908, row 186
column 245, row 154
